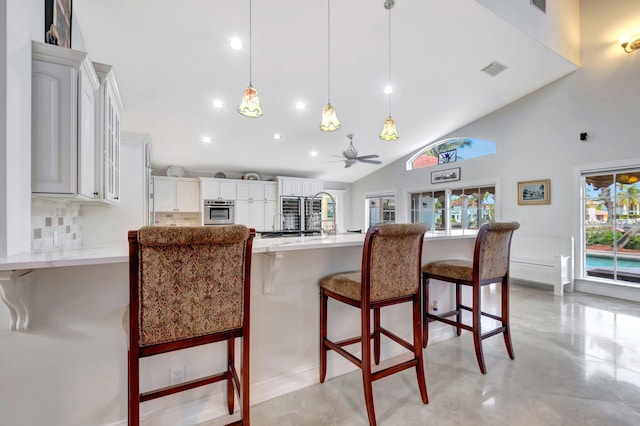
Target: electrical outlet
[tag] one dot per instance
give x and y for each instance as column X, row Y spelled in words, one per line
column 177, row 375
column 434, row 306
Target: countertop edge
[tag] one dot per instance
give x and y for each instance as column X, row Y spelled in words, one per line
column 111, row 255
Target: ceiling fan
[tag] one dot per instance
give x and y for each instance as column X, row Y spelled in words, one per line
column 351, row 155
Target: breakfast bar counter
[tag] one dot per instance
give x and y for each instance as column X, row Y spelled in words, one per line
column 87, row 288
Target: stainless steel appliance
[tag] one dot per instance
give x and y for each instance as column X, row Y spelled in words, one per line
column 298, row 215
column 219, row 212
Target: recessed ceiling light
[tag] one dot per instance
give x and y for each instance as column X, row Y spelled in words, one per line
column 218, row 103
column 236, row 43
column 388, row 90
column 206, row 139
column 300, row 105
column 313, row 153
column 277, row 136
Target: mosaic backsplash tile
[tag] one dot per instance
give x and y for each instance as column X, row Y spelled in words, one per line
column 55, row 225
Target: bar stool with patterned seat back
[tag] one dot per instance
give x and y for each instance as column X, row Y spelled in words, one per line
column 390, row 274
column 490, row 265
column 189, row 286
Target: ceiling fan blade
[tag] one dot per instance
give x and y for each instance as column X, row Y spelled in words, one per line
column 370, row 161
column 365, row 157
column 348, row 163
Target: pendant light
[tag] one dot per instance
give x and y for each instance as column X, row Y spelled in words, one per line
column 389, row 132
column 250, row 106
column 330, row 120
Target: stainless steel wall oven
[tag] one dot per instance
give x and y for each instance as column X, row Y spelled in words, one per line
column 219, row 212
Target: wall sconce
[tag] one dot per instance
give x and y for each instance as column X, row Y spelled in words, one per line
column 630, row 43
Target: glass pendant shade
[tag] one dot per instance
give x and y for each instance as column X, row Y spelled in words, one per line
column 330, row 120
column 389, row 132
column 250, row 106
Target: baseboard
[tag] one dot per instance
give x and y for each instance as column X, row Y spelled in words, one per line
column 619, row 291
column 201, row 410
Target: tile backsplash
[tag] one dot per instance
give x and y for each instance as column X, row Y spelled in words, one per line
column 54, row 225
column 177, row 219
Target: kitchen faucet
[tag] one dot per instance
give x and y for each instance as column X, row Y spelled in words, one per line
column 281, row 226
column 333, row 230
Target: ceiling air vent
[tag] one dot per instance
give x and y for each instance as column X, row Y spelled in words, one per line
column 494, row 68
column 540, row 4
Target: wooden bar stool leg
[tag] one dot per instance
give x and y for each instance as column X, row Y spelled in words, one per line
column 477, row 328
column 323, row 335
column 425, row 307
column 134, row 389
column 376, row 335
column 366, row 365
column 231, row 352
column 505, row 317
column 417, row 350
column 458, row 309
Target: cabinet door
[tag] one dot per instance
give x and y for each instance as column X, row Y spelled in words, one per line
column 227, row 191
column 257, row 191
column 111, row 148
column 270, row 210
column 187, row 196
column 210, row 190
column 292, row 186
column 53, row 128
column 270, row 191
column 244, row 191
column 311, row 187
column 164, row 195
column 87, row 139
column 257, row 215
column 243, row 212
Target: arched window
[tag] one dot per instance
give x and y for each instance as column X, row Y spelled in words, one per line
column 451, row 151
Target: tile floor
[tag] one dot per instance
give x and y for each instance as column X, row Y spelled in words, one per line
column 577, row 363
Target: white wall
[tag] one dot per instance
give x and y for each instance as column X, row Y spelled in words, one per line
column 538, row 136
column 558, row 28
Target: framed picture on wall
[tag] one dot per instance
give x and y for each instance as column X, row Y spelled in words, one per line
column 534, row 192
column 57, row 22
column 447, row 175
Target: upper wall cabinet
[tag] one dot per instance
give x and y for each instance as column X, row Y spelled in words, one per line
column 290, row 186
column 108, row 112
column 217, row 189
column 63, row 134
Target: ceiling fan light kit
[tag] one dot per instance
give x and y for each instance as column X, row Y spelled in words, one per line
column 351, row 155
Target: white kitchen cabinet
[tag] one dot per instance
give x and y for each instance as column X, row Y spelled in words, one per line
column 311, row 187
column 176, row 194
column 289, row 186
column 217, row 189
column 63, row 136
column 298, row 187
column 108, row 112
column 256, row 204
column 256, row 214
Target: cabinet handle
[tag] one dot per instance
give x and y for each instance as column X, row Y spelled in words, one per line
column 116, row 198
column 95, row 193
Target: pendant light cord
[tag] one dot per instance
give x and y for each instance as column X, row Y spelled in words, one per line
column 329, row 52
column 390, row 6
column 250, row 46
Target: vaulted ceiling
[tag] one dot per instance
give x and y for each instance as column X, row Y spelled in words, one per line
column 173, row 59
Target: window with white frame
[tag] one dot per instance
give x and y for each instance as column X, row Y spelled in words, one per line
column 611, row 224
column 454, row 208
column 381, row 208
